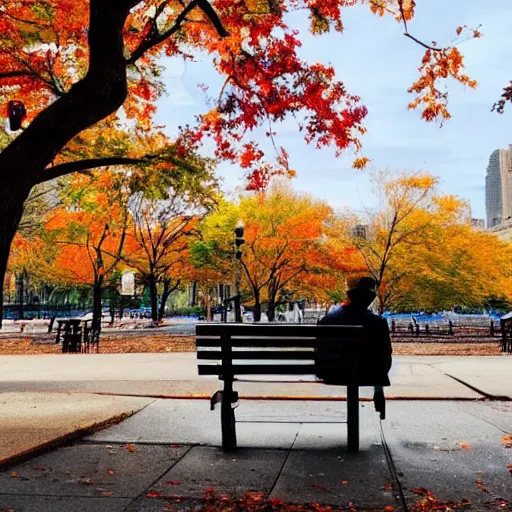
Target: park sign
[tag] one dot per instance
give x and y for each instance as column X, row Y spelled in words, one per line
column 128, row 283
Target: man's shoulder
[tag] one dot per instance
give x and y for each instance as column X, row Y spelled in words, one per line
column 333, row 317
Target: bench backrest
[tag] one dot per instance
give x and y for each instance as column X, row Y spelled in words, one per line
column 270, row 349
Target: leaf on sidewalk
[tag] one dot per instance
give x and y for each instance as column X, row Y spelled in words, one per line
column 39, row 468
column 173, row 482
column 130, row 447
column 464, row 446
column 111, row 472
column 507, row 441
column 481, row 486
column 14, row 475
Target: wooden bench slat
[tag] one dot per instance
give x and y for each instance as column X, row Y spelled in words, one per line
column 259, row 369
column 272, row 330
column 258, row 354
column 335, row 343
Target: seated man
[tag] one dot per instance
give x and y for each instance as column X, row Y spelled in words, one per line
column 361, row 292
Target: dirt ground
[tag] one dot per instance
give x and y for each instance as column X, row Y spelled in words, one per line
column 120, row 344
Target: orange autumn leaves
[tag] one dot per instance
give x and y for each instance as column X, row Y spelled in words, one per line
column 44, row 52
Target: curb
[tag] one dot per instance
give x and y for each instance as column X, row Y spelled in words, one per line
column 62, row 440
column 314, row 398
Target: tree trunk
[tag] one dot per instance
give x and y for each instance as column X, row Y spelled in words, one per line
column 257, row 307
column 271, row 311
column 165, row 295
column 153, row 294
column 100, row 93
column 20, row 295
column 97, row 311
column 12, row 197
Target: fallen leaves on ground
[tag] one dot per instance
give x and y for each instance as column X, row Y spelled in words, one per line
column 124, row 342
column 463, row 445
column 14, row 475
column 429, row 503
column 507, row 441
column 173, row 482
column 130, row 447
column 509, row 467
column 481, row 486
column 39, row 468
column 118, row 343
column 111, row 472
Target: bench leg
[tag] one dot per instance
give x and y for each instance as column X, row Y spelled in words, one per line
column 353, row 418
column 227, row 418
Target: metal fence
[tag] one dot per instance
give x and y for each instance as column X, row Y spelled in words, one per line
column 43, row 311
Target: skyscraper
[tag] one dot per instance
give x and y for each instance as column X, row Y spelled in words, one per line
column 498, row 188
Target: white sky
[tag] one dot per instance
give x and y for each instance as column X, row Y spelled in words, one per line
column 376, row 62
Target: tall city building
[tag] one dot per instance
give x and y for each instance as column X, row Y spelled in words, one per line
column 498, row 188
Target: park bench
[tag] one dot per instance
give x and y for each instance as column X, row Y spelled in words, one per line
column 330, row 352
column 76, row 336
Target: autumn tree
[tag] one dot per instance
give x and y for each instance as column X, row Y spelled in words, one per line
column 88, row 233
column 283, row 232
column 407, row 208
column 74, row 64
column 459, row 266
column 165, row 215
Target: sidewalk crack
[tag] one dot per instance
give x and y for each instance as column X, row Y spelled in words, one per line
column 392, row 470
column 285, row 461
column 479, row 391
column 146, row 489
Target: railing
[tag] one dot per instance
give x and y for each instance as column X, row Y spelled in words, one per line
column 42, row 311
column 506, row 335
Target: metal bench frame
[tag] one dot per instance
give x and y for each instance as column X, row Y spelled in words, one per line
column 267, row 343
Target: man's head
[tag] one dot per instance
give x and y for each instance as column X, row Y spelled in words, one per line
column 361, row 290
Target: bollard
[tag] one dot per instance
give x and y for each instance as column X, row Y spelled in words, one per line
column 393, row 326
column 450, row 327
column 427, row 329
column 492, row 328
column 417, row 329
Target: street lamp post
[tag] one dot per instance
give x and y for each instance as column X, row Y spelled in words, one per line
column 239, row 241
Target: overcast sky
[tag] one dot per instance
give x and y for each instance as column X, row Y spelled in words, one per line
column 375, row 61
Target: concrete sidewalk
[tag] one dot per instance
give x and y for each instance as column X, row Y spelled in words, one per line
column 166, row 457
column 31, row 422
column 172, row 375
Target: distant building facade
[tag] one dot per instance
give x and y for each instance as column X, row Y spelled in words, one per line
column 361, row 231
column 478, row 223
column 498, row 188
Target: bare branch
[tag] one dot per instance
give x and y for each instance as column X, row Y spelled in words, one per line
column 14, row 74
column 421, row 43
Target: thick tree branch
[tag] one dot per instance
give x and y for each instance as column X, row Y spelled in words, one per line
column 155, row 37
column 60, row 170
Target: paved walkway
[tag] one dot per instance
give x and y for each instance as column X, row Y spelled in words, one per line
column 175, row 374
column 291, row 451
column 34, row 421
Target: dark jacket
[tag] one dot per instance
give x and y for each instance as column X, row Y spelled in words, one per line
column 377, row 362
